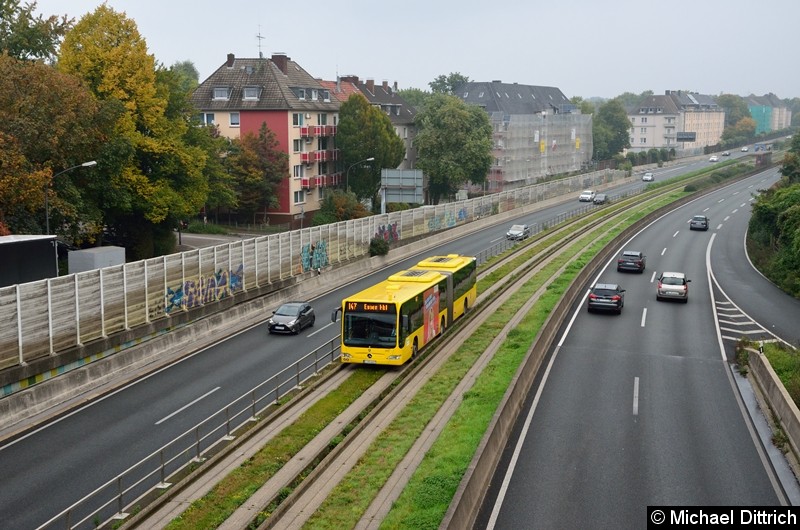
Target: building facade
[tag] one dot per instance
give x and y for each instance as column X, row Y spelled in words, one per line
column 243, row 94
column 537, row 132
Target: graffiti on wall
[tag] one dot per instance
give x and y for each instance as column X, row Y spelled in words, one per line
column 388, row 233
column 199, row 291
column 314, row 256
column 447, row 220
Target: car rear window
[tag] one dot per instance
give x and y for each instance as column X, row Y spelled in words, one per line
column 670, row 280
column 604, row 292
column 628, row 254
column 699, row 218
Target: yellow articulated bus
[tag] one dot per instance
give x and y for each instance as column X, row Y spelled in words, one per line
column 391, row 321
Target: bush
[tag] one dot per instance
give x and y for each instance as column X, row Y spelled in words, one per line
column 378, row 247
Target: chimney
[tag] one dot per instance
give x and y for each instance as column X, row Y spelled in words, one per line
column 385, row 85
column 229, row 62
column 350, row 79
column 395, row 87
column 371, row 86
column 281, row 61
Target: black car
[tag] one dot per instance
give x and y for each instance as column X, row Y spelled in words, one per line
column 291, row 317
column 600, row 198
column 698, row 222
column 631, row 260
column 606, row 297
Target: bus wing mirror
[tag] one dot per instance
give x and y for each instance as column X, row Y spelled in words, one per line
column 335, row 314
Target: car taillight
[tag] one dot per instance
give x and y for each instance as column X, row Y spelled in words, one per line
column 615, row 297
column 659, row 285
column 592, row 297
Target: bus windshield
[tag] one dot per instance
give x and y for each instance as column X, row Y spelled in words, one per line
column 378, row 330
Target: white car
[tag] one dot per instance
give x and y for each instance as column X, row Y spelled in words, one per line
column 586, row 196
column 714, row 158
column 648, row 177
column 745, row 149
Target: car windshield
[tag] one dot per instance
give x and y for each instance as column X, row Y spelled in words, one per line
column 517, row 228
column 671, row 280
column 289, row 310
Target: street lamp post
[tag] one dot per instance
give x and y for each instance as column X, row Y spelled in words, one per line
column 347, row 174
column 90, row 163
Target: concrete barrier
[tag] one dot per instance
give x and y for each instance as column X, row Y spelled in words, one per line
column 778, row 399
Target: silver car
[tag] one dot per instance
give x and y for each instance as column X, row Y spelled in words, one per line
column 672, row 286
column 518, row 232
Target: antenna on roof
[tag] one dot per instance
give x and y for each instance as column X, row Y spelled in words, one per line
column 260, row 37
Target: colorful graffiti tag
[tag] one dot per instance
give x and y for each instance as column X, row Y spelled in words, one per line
column 388, row 232
column 448, row 220
column 197, row 292
column 314, row 256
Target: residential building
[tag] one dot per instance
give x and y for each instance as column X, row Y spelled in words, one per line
column 537, row 132
column 769, row 113
column 243, row 94
column 400, row 113
column 666, row 122
column 655, row 124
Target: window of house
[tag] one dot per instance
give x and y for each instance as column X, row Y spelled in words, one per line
column 326, row 95
column 234, row 119
column 314, row 94
column 632, row 140
column 643, row 130
column 322, row 119
column 206, row 118
column 301, row 93
column 320, row 193
column 297, row 145
column 405, row 133
column 299, row 196
column 251, row 93
column 642, row 140
column 297, row 119
column 297, row 171
column 644, row 120
column 221, row 92
column 480, row 95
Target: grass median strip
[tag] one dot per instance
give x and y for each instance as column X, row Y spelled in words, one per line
column 213, row 508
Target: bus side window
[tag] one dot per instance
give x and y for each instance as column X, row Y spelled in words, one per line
column 406, row 323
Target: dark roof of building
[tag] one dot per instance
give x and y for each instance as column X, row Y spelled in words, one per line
column 657, row 105
column 512, row 98
column 400, row 112
column 340, row 90
column 274, row 78
column 688, row 100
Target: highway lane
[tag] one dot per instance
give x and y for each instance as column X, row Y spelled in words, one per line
column 99, row 441
column 53, row 467
column 638, row 409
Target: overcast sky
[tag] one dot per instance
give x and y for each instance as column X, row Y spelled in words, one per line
column 585, row 48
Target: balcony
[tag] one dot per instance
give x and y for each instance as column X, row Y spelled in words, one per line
column 308, row 182
column 321, row 156
column 318, row 130
column 307, row 158
column 330, row 130
column 305, row 131
column 321, row 180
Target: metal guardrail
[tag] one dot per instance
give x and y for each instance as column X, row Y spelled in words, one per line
column 108, row 502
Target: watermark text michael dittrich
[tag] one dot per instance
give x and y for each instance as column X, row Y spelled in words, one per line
column 700, row 516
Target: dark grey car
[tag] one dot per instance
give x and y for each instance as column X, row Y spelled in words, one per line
column 699, row 222
column 631, row 260
column 606, row 297
column 291, row 317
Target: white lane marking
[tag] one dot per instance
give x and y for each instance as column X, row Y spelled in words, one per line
column 162, row 420
column 635, row 396
column 653, row 277
column 719, row 226
column 644, row 316
column 664, row 251
column 726, row 218
column 676, row 233
column 320, row 329
column 735, row 210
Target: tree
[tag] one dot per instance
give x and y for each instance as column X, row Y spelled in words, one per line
column 21, row 189
column 454, row 145
column 631, row 100
column 414, row 96
column 448, row 84
column 55, row 123
column 153, row 177
column 735, row 108
column 339, row 206
column 24, row 36
column 366, row 132
column 586, row 107
column 610, row 130
column 742, row 131
column 258, row 166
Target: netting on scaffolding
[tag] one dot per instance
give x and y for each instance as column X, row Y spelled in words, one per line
column 528, row 148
